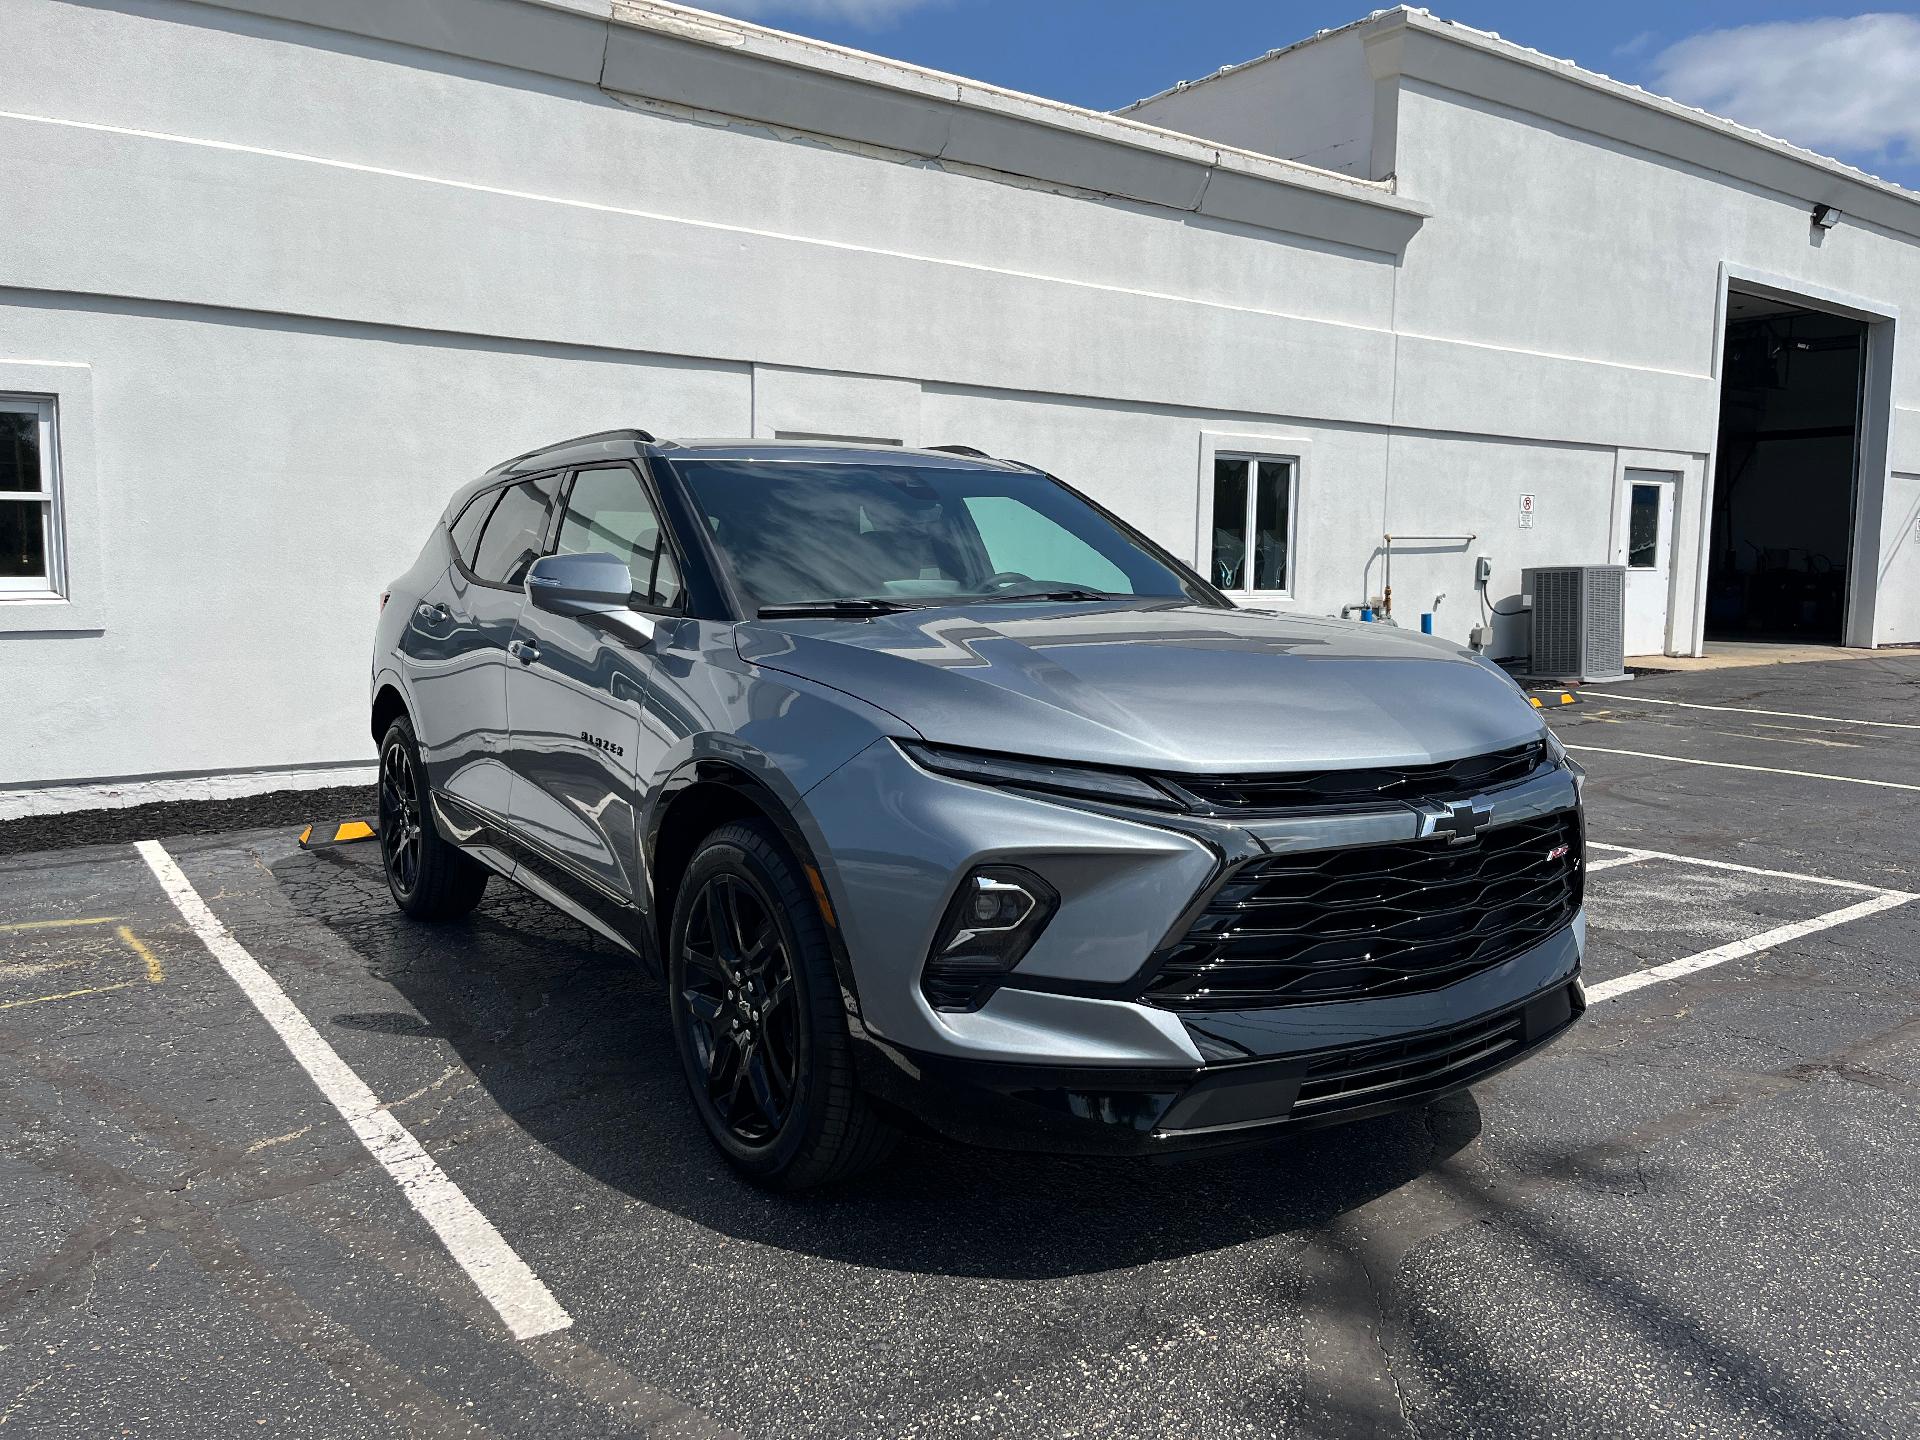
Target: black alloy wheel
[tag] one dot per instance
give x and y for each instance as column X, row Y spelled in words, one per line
column 743, row 1019
column 759, row 1015
column 429, row 877
column 400, row 817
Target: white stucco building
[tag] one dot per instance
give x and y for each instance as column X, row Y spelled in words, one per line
column 277, row 275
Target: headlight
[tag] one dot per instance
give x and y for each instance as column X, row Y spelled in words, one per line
column 1116, row 787
column 992, row 921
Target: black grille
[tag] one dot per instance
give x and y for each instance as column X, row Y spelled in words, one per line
column 1374, row 919
column 1400, row 784
column 1419, row 1063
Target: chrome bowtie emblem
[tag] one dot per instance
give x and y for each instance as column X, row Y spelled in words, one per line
column 1457, row 820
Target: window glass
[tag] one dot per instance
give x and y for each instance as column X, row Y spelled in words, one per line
column 466, row 529
column 1021, row 541
column 791, row 531
column 1229, row 523
column 515, row 532
column 1270, row 525
column 20, row 449
column 608, row 510
column 26, row 498
column 668, row 592
column 23, row 540
column 1251, row 506
column 1643, row 528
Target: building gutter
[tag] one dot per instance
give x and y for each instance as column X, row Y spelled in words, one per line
column 654, row 50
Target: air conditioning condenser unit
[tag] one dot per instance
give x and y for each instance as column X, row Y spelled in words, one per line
column 1579, row 621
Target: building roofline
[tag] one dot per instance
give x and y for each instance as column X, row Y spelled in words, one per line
column 1611, row 107
column 1256, row 61
column 715, row 64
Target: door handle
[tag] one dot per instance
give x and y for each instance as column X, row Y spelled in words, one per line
column 525, row 651
column 431, row 614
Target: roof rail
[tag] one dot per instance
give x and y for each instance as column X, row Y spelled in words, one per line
column 638, row 437
column 962, row 450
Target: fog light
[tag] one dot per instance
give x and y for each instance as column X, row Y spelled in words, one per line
column 993, row 920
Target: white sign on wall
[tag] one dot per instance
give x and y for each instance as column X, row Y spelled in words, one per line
column 1526, row 512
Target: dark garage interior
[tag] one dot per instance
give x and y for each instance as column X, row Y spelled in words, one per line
column 1783, row 491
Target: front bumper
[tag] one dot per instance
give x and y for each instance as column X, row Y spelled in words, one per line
column 1062, row 1056
column 892, row 841
column 1132, row 1111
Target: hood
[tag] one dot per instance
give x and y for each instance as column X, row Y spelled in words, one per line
column 1160, row 687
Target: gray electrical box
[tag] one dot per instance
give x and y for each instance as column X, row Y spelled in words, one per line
column 1579, row 621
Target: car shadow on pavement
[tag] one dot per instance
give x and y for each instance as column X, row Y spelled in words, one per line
column 569, row 1038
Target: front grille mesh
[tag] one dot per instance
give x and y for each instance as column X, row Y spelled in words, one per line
column 1373, row 920
column 1401, row 784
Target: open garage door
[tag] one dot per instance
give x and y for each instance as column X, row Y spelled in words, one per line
column 1785, row 491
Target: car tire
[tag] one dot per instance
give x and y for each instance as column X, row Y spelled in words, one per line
column 758, row 1020
column 430, row 877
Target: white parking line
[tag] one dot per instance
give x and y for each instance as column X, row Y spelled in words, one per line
column 507, row 1282
column 1719, row 955
column 1882, row 898
column 1637, row 853
column 1749, row 710
column 1594, row 867
column 1730, row 765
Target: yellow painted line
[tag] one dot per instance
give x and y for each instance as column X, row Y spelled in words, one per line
column 155, row 974
column 67, row 995
column 19, row 925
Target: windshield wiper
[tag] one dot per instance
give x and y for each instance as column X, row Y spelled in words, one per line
column 1070, row 593
column 854, row 609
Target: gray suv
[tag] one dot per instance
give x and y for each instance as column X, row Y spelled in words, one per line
column 935, row 794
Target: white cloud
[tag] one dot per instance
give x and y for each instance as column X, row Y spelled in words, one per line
column 868, row 14
column 1846, row 86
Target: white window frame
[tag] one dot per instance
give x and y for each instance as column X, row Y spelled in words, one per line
column 52, row 585
column 1275, row 449
column 78, row 603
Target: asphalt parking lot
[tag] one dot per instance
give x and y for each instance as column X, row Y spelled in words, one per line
column 1698, row 1214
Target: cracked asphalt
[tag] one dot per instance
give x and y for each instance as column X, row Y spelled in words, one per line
column 1698, row 1214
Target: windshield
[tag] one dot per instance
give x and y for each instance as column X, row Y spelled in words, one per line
column 792, row 532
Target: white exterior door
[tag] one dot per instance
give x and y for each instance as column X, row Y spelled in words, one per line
column 1649, row 559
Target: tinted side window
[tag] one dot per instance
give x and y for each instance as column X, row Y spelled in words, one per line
column 515, row 532
column 466, row 529
column 608, row 510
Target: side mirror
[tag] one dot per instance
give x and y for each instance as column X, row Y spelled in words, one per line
column 592, row 584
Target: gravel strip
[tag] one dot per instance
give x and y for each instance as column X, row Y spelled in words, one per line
column 292, row 808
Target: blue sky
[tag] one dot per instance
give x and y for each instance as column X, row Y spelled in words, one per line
column 1843, row 81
